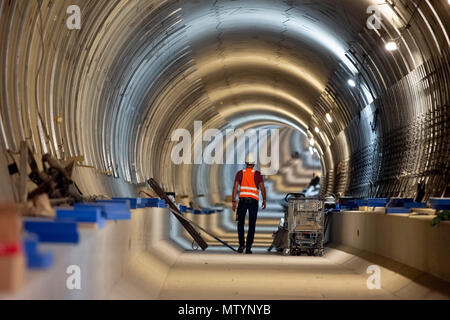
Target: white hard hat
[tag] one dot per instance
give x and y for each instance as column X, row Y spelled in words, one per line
column 250, row 159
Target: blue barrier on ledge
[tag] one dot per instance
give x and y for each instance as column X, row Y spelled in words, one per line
column 392, row 210
column 415, row 205
column 362, row 202
column 54, row 231
column 110, row 210
column 155, row 203
column 440, row 203
column 377, row 202
column 84, row 214
column 34, row 258
column 135, row 203
column 399, row 202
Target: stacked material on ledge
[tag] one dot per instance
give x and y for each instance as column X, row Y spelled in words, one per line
column 398, row 210
column 53, row 231
column 440, row 203
column 35, row 258
column 110, row 209
column 155, row 203
column 134, row 203
column 377, row 202
column 83, row 214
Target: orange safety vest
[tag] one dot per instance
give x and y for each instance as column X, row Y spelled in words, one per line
column 248, row 185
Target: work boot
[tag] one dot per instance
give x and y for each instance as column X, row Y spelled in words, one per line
column 241, row 249
column 248, row 251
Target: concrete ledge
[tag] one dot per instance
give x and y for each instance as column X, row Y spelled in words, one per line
column 400, row 280
column 408, row 240
column 104, row 257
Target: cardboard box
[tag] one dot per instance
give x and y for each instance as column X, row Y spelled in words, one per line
column 10, row 224
column 12, row 272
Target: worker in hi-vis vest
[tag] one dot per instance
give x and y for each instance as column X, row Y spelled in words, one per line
column 250, row 181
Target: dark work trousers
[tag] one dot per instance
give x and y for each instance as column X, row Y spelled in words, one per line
column 251, row 205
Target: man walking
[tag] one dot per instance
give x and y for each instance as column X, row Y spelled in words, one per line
column 251, row 182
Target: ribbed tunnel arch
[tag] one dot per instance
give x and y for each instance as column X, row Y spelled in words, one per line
column 137, row 70
column 369, row 121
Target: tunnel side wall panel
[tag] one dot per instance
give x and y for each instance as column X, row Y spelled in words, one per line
column 411, row 241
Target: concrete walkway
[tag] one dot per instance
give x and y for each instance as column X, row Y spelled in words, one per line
column 338, row 275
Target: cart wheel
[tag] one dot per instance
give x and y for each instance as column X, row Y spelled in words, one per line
column 310, row 252
column 286, row 252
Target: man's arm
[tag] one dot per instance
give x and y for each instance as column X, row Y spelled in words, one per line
column 263, row 192
column 235, row 188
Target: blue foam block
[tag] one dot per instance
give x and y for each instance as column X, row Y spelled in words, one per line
column 41, row 261
column 183, row 209
column 361, row 202
column 350, row 205
column 36, row 259
column 377, row 202
column 118, row 216
column 30, row 243
column 59, row 237
column 415, row 205
column 156, row 203
column 399, row 202
column 49, row 226
column 123, row 204
column 398, row 210
column 207, row 211
column 81, row 214
column 57, row 231
column 440, row 203
column 134, row 202
column 110, row 210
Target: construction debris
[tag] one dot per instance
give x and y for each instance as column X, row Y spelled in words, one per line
column 39, row 206
column 53, row 184
column 162, row 194
column 187, row 224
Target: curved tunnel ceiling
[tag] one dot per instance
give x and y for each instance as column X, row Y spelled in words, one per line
column 115, row 90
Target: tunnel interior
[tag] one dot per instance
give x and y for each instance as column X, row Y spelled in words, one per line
column 371, row 122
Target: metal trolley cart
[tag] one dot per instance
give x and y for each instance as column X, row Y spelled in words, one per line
column 305, row 225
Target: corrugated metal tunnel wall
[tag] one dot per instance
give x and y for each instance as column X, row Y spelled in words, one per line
column 114, row 90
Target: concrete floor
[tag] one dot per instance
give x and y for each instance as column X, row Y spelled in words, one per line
column 340, row 274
